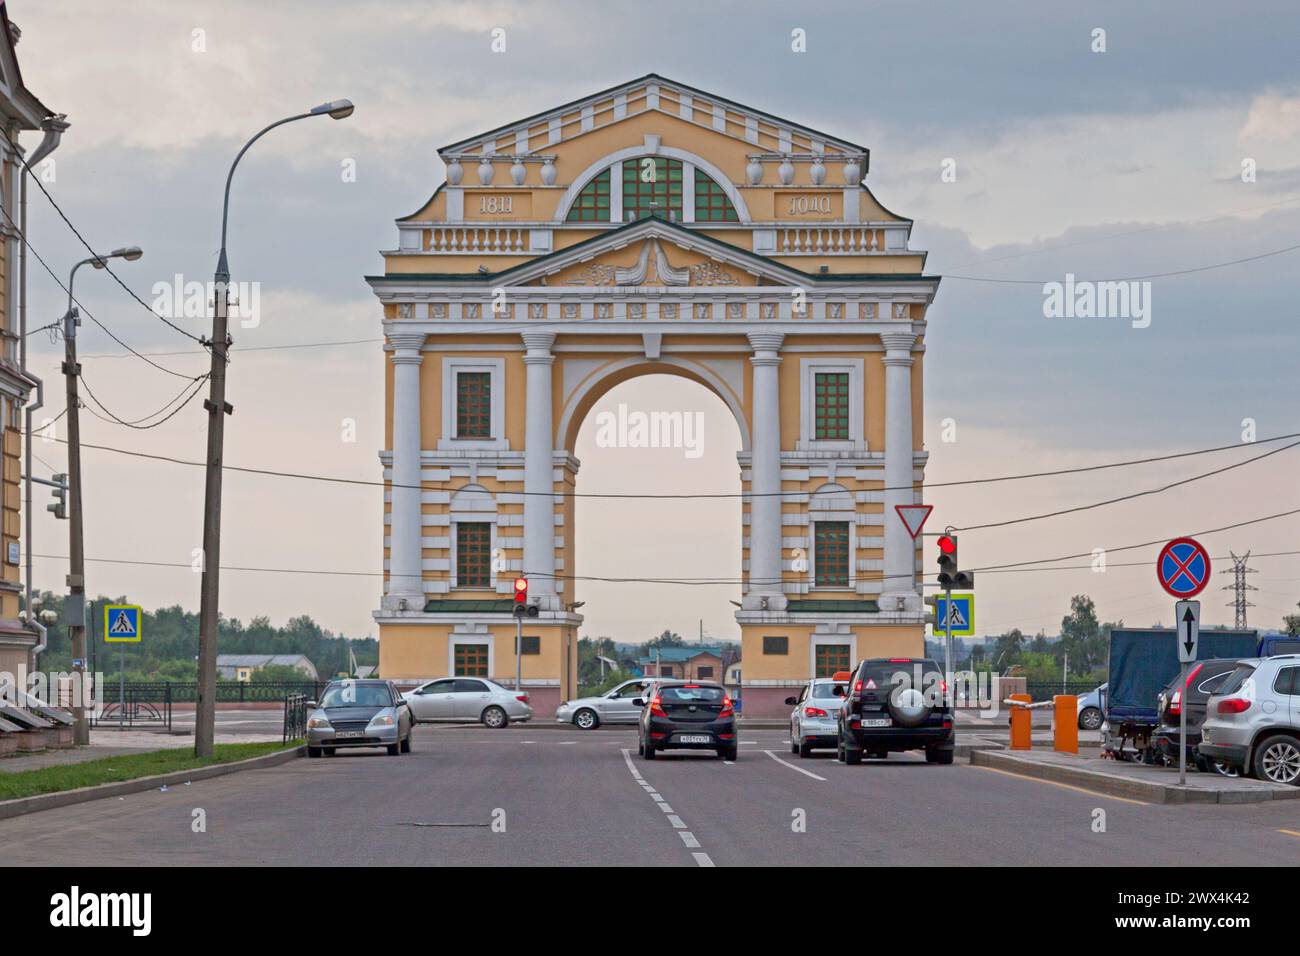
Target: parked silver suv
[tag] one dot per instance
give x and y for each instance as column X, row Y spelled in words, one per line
column 1253, row 719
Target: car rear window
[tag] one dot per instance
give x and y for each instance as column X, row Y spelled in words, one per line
column 1235, row 680
column 684, row 694
column 918, row 673
column 827, row 691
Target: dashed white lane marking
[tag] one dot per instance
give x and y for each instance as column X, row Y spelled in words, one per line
column 567, row 743
column 786, row 763
column 701, row 858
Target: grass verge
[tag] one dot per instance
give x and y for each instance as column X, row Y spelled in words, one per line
column 29, row 783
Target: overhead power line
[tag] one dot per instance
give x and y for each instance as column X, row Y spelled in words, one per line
column 184, row 397
column 16, row 152
column 1153, row 275
column 363, row 482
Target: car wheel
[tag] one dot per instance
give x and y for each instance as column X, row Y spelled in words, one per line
column 586, row 719
column 794, row 743
column 938, row 755
column 394, row 750
column 406, row 744
column 728, row 753
column 1277, row 760
column 495, row 718
column 640, row 747
column 313, row 751
column 1090, row 718
column 328, row 751
column 804, row 750
column 647, row 751
column 852, row 756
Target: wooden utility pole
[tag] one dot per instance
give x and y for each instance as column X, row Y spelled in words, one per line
column 75, row 610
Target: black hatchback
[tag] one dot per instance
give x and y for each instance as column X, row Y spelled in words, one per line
column 686, row 715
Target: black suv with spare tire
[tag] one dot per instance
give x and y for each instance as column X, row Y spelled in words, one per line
column 896, row 704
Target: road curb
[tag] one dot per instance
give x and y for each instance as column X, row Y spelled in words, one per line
column 67, row 798
column 1149, row 791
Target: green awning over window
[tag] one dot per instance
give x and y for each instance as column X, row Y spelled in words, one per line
column 832, row 607
column 482, row 606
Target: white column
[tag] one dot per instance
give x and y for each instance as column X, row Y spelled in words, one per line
column 765, row 476
column 900, row 549
column 405, row 578
column 539, row 482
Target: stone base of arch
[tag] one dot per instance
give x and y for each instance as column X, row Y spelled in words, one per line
column 767, row 679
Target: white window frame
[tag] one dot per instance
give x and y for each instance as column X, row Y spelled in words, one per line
column 808, row 369
column 453, row 639
column 453, row 366
column 842, row 517
column 817, row 640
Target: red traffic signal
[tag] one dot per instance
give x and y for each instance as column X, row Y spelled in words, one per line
column 947, row 543
column 521, row 590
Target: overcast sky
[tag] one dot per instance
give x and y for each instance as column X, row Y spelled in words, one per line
column 1102, row 164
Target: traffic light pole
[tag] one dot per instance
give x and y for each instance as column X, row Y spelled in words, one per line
column 947, row 644
column 519, row 647
column 76, row 550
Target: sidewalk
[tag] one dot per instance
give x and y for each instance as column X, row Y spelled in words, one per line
column 113, row 743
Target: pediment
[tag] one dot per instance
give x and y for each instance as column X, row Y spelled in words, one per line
column 653, row 253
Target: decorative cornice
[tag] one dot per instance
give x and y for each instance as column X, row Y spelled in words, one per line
column 766, row 341
column 898, row 342
column 406, row 342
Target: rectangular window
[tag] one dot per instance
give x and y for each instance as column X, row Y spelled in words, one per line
column 831, row 658
column 776, row 645
column 473, row 404
column 705, row 673
column 831, row 552
column 530, row 644
column 472, row 660
column 667, row 671
column 473, row 554
column 831, row 397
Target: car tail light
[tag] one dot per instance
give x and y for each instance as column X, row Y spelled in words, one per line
column 657, row 707
column 857, row 687
column 1234, row 705
column 727, row 709
column 522, row 697
column 1176, row 703
column 814, row 712
column 900, row 660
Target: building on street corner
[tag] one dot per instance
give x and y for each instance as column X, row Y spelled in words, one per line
column 651, row 228
column 20, row 111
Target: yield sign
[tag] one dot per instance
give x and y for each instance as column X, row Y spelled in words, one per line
column 913, row 517
column 1183, row 567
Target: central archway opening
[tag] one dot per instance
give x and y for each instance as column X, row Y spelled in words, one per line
column 657, row 434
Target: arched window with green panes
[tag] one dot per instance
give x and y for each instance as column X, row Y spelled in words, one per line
column 653, row 186
column 592, row 204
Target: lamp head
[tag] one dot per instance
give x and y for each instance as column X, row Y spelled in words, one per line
column 337, row 109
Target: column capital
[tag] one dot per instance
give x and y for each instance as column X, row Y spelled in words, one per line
column 405, row 342
column 766, row 341
column 536, row 340
column 899, row 342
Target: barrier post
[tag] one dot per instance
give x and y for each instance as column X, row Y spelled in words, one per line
column 1065, row 724
column 1022, row 722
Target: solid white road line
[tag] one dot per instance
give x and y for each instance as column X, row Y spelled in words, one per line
column 786, row 763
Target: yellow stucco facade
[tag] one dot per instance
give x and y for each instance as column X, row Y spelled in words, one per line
column 650, row 228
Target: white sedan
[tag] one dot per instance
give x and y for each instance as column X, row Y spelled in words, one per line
column 468, row 700
column 614, row 707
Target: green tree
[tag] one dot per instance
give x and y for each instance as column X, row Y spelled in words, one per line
column 1082, row 637
column 1291, row 624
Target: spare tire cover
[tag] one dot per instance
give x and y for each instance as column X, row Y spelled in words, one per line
column 908, row 707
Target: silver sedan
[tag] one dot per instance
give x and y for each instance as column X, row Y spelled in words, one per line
column 814, row 720
column 468, row 700
column 614, row 707
column 359, row 713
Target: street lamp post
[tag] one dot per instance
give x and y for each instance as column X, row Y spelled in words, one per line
column 76, row 608
column 218, row 408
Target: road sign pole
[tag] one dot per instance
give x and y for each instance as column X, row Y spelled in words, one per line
column 1182, row 726
column 519, row 646
column 121, row 686
column 947, row 642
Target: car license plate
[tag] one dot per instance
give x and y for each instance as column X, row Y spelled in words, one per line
column 694, row 739
column 877, row 722
column 349, row 733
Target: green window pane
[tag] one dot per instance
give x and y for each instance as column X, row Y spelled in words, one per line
column 831, row 400
column 660, row 196
column 592, row 204
column 473, row 554
column 831, row 554
column 473, row 404
column 711, row 202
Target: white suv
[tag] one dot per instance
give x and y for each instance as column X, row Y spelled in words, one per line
column 1253, row 719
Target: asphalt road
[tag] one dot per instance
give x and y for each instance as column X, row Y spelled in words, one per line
column 567, row 798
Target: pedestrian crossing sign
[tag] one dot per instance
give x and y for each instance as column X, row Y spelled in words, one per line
column 122, row 623
column 960, row 616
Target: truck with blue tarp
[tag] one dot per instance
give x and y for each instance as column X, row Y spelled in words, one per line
column 1142, row 662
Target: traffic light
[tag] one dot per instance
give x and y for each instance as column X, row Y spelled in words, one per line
column 950, row 576
column 59, row 506
column 522, row 608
